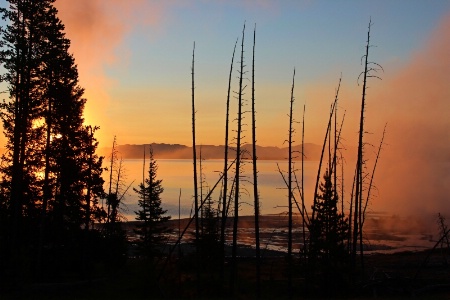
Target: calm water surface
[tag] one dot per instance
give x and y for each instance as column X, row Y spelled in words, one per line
column 177, row 176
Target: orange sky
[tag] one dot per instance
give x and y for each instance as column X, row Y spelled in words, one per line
column 96, row 29
column 153, row 112
column 152, row 103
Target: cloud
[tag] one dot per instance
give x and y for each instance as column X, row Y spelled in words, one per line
column 414, row 173
column 97, row 29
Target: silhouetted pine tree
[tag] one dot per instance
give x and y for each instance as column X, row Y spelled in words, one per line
column 328, row 255
column 20, row 56
column 209, row 242
column 152, row 231
column 50, row 162
column 329, row 228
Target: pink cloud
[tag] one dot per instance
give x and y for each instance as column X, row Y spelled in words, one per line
column 414, row 172
column 97, row 29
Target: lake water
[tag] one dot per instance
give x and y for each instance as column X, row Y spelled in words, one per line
column 176, row 176
column 385, row 233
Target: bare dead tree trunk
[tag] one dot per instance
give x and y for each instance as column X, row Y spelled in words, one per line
column 255, row 177
column 350, row 218
column 357, row 219
column 208, row 196
column 194, row 159
column 179, row 216
column 335, row 152
column 201, row 191
column 337, row 141
column 302, row 187
column 373, row 175
column 144, row 203
column 113, row 158
column 194, row 151
column 225, row 168
column 323, row 150
column 291, row 132
column 116, row 200
column 300, row 210
column 230, row 197
column 89, row 183
column 330, row 161
column 342, row 185
column 86, row 246
column 238, row 166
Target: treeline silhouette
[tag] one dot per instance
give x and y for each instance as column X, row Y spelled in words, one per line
column 51, row 187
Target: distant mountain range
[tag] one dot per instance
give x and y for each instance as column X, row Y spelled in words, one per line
column 177, row 151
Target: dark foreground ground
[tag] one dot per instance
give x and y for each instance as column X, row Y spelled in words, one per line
column 419, row 275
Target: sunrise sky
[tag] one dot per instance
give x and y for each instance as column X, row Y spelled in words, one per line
column 134, row 60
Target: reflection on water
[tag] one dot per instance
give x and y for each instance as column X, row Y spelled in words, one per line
column 383, row 232
column 177, row 176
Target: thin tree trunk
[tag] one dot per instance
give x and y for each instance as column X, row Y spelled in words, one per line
column 225, row 171
column 16, row 195
column 302, row 189
column 113, row 157
column 238, row 169
column 225, row 168
column 230, row 197
column 194, row 152
column 334, row 165
column 350, row 218
column 330, row 162
column 86, row 246
column 372, row 176
column 46, row 194
column 201, row 192
column 323, row 149
column 115, row 204
column 89, row 183
column 300, row 210
column 194, row 161
column 342, row 185
column 46, row 187
column 335, row 152
column 255, row 178
column 291, row 131
column 179, row 215
column 144, row 204
column 25, row 128
column 188, row 225
column 357, row 229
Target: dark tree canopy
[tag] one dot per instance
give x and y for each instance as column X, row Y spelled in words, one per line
column 51, row 175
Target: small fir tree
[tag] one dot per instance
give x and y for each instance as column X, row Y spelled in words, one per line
column 153, row 230
column 328, row 256
column 210, row 230
column 209, row 245
column 329, row 228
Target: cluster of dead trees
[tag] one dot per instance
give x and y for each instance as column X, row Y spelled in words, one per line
column 51, row 178
column 332, row 242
